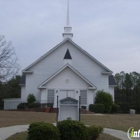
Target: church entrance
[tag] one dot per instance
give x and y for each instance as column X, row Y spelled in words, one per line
column 66, row 93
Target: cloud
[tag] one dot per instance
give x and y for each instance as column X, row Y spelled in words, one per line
column 108, row 30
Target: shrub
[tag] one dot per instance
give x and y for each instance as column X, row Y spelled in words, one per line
column 50, row 105
column 97, row 108
column 124, row 107
column 34, row 105
column 105, row 99
column 83, row 107
column 31, row 98
column 94, row 132
column 72, row 130
column 43, row 131
column 22, row 106
column 115, row 108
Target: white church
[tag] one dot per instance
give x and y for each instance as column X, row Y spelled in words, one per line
column 66, row 70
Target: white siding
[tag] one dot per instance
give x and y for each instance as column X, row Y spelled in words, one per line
column 111, row 91
column 23, row 93
column 53, row 62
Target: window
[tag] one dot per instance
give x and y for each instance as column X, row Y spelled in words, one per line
column 83, row 94
column 50, row 96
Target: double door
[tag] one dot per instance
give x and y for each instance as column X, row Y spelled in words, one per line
column 66, row 93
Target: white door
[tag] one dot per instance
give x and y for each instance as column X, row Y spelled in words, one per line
column 68, row 112
column 66, row 93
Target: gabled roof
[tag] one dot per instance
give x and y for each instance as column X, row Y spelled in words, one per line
column 112, row 81
column 74, row 70
column 75, row 46
column 67, row 55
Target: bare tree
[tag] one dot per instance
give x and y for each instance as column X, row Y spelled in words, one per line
column 8, row 60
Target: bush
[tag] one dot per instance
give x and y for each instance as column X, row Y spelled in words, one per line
column 31, row 98
column 115, row 108
column 124, row 107
column 50, row 105
column 97, row 108
column 94, row 132
column 34, row 105
column 72, row 130
column 43, row 131
column 105, row 99
column 22, row 106
column 83, row 107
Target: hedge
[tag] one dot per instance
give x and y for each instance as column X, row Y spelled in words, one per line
column 72, row 130
column 43, row 131
column 115, row 108
column 97, row 108
column 94, row 132
column 34, row 105
column 105, row 99
column 22, row 106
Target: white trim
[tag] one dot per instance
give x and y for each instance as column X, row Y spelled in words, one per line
column 43, row 87
column 67, row 65
column 91, row 88
column 27, row 72
column 67, row 39
column 106, row 73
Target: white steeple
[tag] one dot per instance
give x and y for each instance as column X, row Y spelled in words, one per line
column 67, row 29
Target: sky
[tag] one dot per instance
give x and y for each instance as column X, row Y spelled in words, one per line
column 109, row 30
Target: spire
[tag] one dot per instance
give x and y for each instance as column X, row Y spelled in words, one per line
column 67, row 29
column 68, row 20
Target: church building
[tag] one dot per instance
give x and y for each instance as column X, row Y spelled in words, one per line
column 67, row 70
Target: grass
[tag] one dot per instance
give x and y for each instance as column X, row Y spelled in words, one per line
column 23, row 136
column 10, row 118
column 120, row 121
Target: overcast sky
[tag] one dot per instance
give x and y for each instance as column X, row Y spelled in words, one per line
column 108, row 29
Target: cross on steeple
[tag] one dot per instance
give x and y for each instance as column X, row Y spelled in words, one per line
column 67, row 29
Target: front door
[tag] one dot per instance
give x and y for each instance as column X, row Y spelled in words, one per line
column 66, row 93
column 63, row 94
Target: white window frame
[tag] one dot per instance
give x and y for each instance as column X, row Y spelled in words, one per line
column 83, row 97
column 50, row 96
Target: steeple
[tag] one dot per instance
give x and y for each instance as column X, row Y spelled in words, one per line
column 67, row 29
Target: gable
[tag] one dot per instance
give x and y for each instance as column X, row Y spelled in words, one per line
column 67, row 43
column 68, row 77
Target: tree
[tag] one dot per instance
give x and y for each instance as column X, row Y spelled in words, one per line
column 105, row 99
column 127, row 91
column 10, row 89
column 8, row 60
column 31, row 98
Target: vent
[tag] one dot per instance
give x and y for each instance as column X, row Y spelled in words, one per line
column 67, row 55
